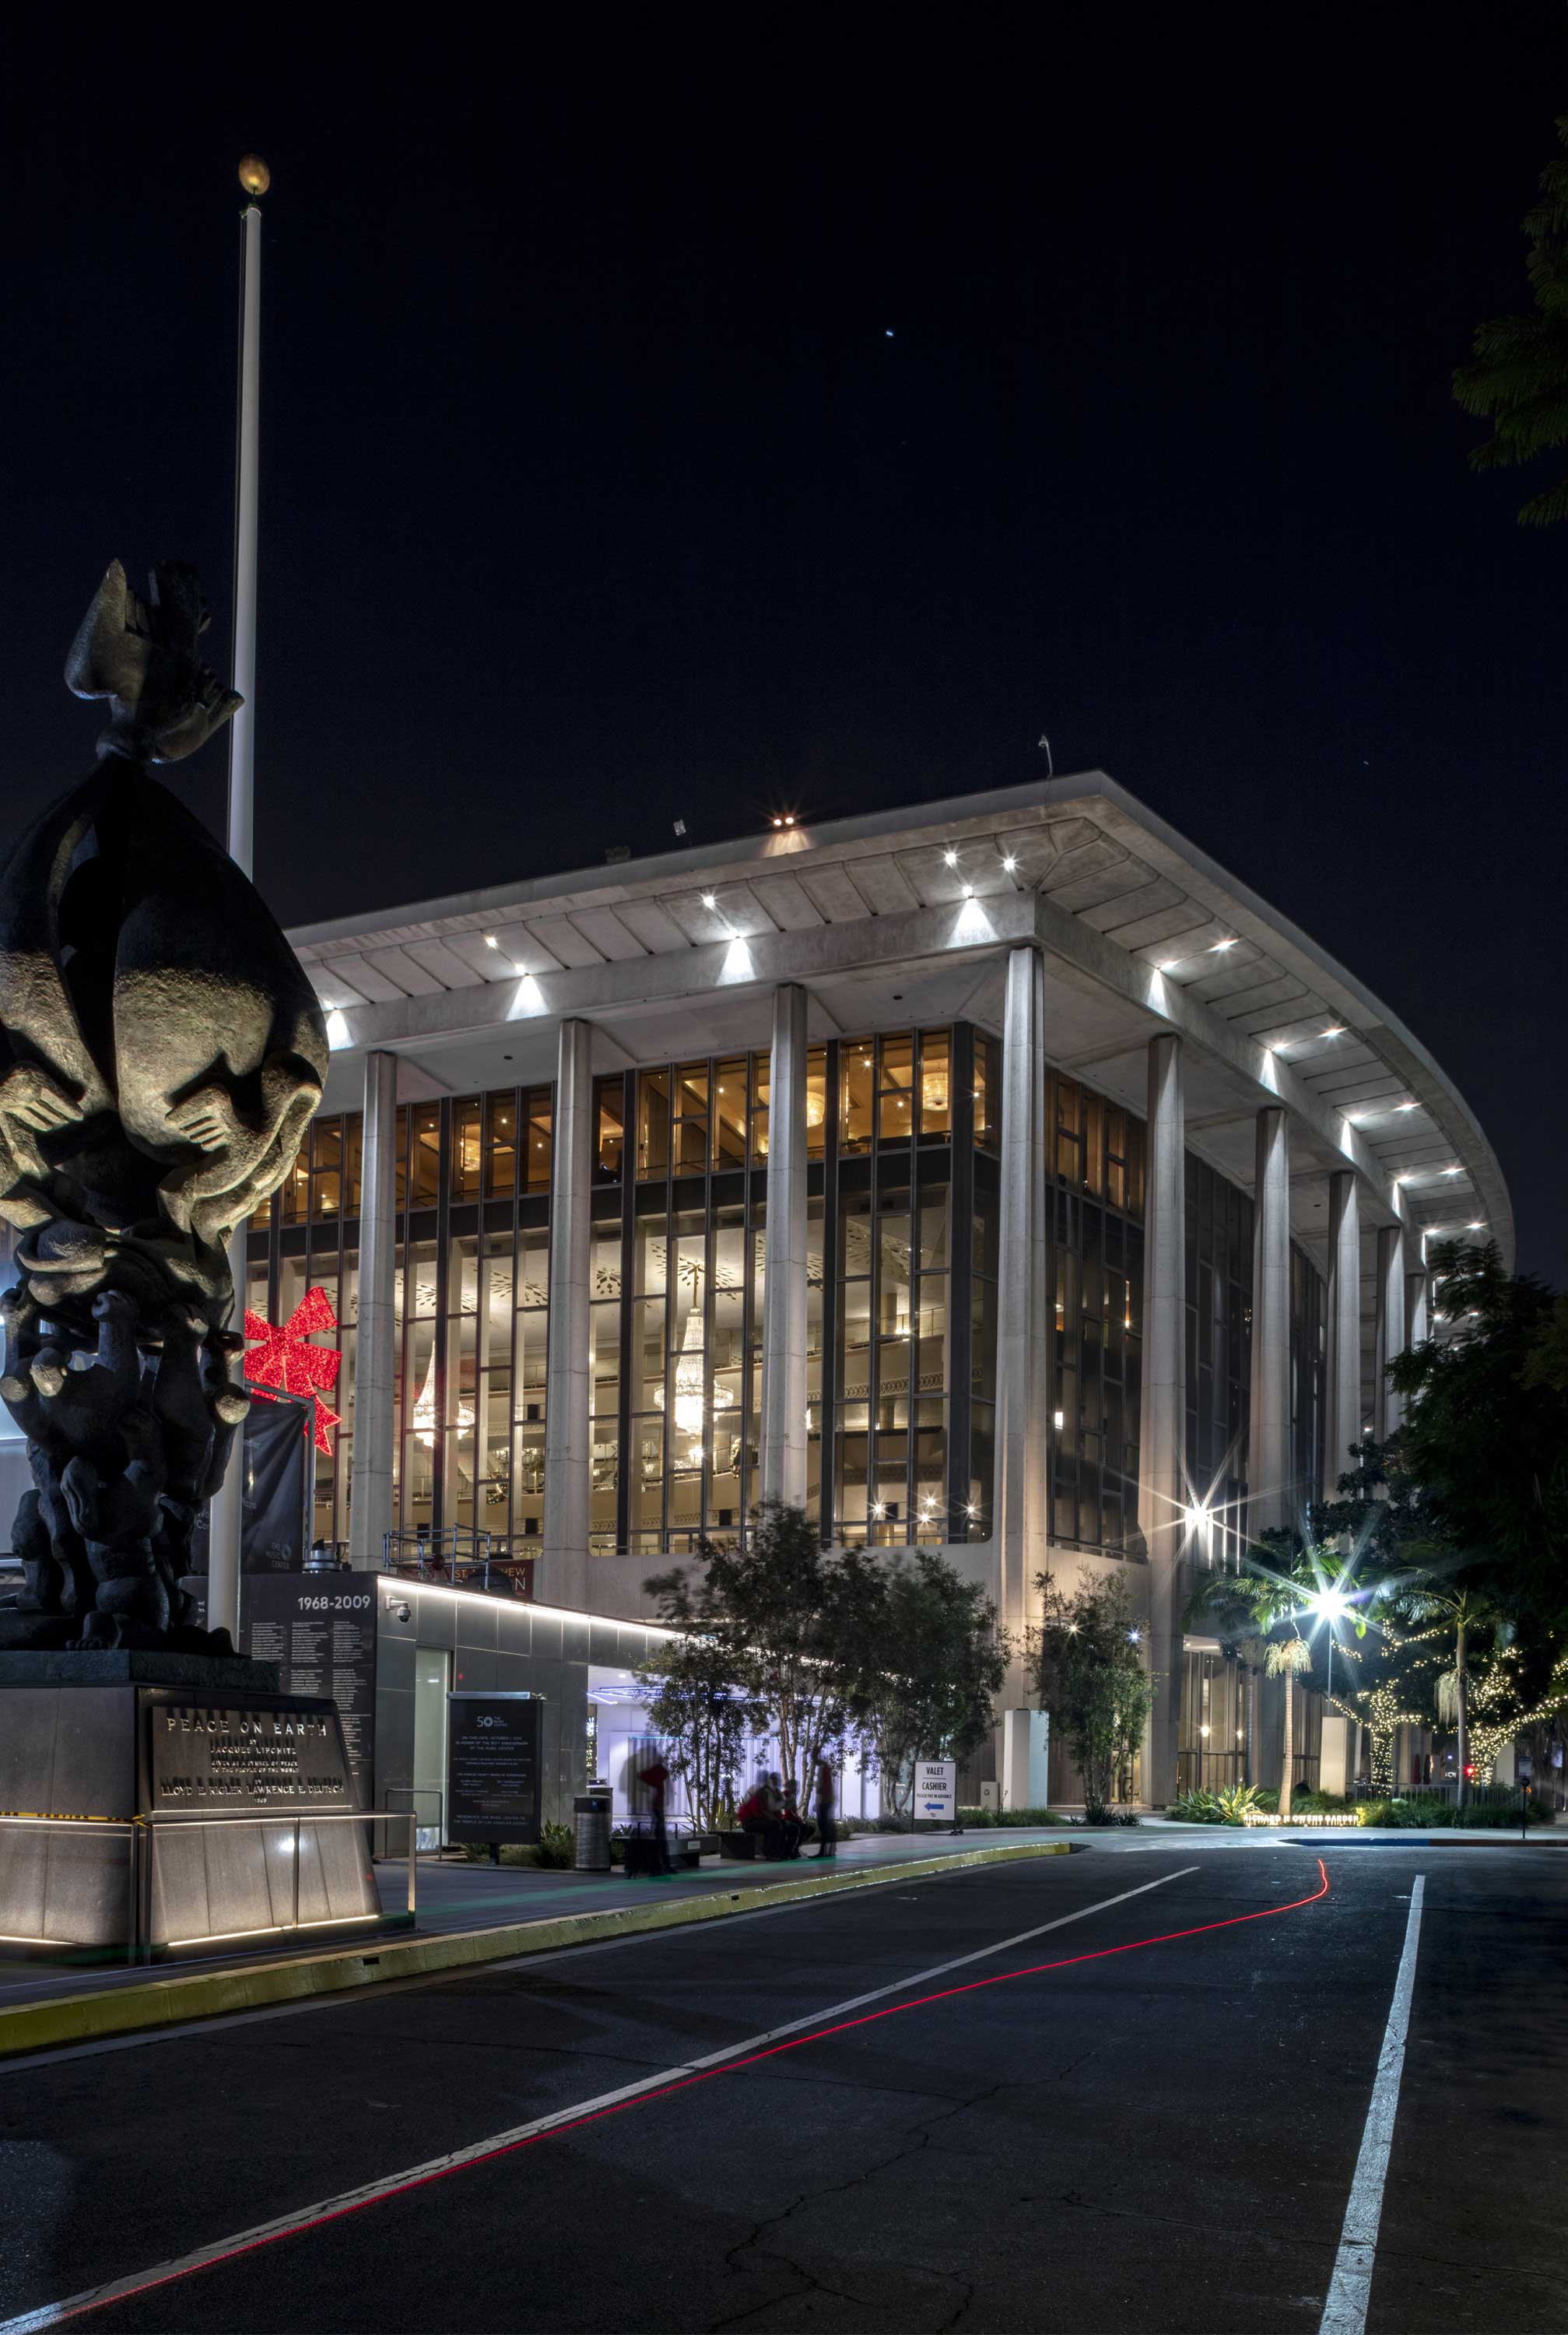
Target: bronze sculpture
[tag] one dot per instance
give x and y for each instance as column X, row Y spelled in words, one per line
column 161, row 1052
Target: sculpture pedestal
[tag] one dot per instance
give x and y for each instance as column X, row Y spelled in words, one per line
column 156, row 1803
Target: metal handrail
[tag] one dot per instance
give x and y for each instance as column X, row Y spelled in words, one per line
column 143, row 1831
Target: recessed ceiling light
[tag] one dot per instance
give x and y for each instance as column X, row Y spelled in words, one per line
column 1010, row 862
column 1478, row 1226
column 710, row 900
column 1453, row 1171
column 1336, row 1031
column 491, row 941
column 1169, row 966
column 969, row 891
column 1406, row 1105
column 1218, row 945
column 951, row 857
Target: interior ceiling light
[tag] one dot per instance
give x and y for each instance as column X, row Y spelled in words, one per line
column 491, row 941
column 1478, row 1226
column 710, row 900
column 1406, row 1105
column 951, row 857
column 1336, row 1031
column 1453, row 1171
column 1010, row 862
column 1218, row 945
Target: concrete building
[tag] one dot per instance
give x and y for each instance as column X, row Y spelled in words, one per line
column 999, row 1175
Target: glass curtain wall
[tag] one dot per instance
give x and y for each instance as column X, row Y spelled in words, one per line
column 1219, row 1298
column 470, row 1298
column 1095, row 1197
column 901, row 1314
column 1309, row 1363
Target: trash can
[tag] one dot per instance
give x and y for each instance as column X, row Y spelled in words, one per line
column 591, row 1831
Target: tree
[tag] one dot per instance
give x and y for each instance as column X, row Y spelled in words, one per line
column 1090, row 1677
column 787, row 1623
column 1481, row 1462
column 930, row 1663
column 704, row 1718
column 1520, row 372
column 1286, row 1579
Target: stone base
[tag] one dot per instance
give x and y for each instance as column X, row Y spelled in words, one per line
column 125, row 1666
column 182, row 1811
column 24, row 1632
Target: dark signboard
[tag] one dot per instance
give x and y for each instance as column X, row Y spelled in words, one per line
column 320, row 1628
column 279, row 1461
column 245, row 1751
column 493, row 1766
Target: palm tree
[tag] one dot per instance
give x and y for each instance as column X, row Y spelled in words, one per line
column 1463, row 1611
column 1282, row 1583
column 1520, row 374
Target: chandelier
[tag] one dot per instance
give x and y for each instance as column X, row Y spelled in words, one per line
column 424, row 1422
column 687, row 1407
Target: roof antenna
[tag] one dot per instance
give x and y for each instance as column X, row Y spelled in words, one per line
column 1045, row 749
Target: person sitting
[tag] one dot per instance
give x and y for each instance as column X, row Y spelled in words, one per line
column 760, row 1813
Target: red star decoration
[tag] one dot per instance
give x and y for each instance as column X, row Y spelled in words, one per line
column 285, row 1358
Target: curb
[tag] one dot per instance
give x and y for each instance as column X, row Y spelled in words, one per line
column 256, row 1986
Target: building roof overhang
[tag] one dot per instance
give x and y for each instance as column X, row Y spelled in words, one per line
column 907, row 916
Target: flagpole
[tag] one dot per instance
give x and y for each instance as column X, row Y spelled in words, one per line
column 223, row 1560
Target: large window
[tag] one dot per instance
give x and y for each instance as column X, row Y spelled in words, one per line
column 1095, row 1163
column 901, row 1311
column 1219, row 1282
column 1309, row 1349
column 470, row 1305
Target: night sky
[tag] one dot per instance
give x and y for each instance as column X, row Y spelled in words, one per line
column 701, row 416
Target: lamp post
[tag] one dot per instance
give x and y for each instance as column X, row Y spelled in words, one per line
column 224, row 1553
column 1330, row 1606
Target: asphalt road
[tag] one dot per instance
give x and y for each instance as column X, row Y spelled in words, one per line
column 1163, row 2137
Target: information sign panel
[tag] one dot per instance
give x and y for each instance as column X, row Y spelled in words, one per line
column 493, row 1780
column 320, row 1629
column 936, row 1789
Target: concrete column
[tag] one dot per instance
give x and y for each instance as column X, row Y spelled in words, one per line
column 1388, row 1407
column 1418, row 1300
column 1022, row 1342
column 1270, row 1498
column 1162, row 1499
column 1025, row 1776
column 1344, row 1391
column 781, row 1467
column 369, row 1513
column 563, row 1573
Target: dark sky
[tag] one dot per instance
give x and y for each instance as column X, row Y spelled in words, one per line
column 705, row 415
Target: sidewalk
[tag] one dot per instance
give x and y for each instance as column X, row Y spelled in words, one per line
column 455, row 1897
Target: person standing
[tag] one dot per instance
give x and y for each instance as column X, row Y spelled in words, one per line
column 827, row 1832
column 655, row 1777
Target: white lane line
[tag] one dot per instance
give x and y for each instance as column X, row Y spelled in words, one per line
column 1350, row 2289
column 50, row 2314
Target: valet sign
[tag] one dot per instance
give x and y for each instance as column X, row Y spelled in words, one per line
column 936, row 1789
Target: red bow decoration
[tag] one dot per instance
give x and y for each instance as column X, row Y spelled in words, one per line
column 285, row 1358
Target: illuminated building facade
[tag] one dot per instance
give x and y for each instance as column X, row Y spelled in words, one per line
column 999, row 1176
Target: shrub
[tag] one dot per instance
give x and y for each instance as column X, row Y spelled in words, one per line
column 1105, row 1817
column 1317, row 1804
column 1230, row 1805
column 557, row 1848
column 1439, row 1815
column 1199, row 1807
column 983, row 1819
